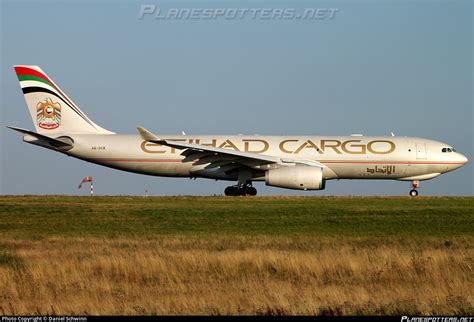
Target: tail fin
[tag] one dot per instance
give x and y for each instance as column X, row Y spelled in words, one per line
column 52, row 111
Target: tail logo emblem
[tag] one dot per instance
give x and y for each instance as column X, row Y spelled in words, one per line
column 48, row 114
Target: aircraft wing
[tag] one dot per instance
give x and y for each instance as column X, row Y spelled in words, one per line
column 214, row 157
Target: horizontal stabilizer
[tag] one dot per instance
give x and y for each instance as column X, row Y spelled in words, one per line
column 52, row 141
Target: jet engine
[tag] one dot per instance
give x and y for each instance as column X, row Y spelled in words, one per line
column 300, row 177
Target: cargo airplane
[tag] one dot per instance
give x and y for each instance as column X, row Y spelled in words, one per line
column 292, row 162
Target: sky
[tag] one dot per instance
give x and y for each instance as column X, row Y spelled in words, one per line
column 375, row 67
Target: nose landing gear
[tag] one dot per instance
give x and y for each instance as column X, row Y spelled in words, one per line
column 241, row 190
column 415, row 184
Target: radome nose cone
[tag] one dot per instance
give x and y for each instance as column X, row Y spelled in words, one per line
column 463, row 158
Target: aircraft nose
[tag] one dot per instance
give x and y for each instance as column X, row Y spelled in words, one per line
column 462, row 158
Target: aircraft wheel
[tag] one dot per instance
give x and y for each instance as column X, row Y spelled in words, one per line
column 413, row 192
column 238, row 191
column 233, row 191
column 229, row 191
column 252, row 191
column 244, row 191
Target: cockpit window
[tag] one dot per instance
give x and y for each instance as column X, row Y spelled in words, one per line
column 448, row 150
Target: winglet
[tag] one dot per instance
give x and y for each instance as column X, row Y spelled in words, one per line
column 147, row 135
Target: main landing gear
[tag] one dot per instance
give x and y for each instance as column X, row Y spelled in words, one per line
column 415, row 184
column 241, row 190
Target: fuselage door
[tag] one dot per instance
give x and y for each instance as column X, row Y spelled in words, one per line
column 421, row 151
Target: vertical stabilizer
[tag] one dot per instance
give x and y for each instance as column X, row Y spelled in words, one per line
column 51, row 109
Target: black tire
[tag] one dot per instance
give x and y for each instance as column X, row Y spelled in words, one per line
column 229, row 191
column 413, row 192
column 236, row 191
column 252, row 191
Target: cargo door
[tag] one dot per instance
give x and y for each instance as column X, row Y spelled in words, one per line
column 421, row 151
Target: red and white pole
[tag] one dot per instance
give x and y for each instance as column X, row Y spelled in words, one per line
column 92, row 189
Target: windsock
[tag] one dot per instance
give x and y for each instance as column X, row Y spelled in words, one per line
column 86, row 179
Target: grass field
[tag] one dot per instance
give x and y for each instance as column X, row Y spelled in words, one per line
column 217, row 255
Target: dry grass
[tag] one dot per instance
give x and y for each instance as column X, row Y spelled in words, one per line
column 235, row 275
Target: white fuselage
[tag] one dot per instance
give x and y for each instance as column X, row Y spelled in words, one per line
column 342, row 157
column 292, row 162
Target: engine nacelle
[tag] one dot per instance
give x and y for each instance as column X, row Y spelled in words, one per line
column 300, row 177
